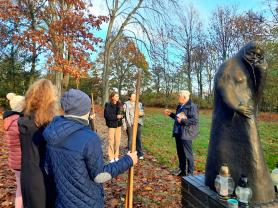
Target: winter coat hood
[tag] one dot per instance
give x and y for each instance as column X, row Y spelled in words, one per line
column 61, row 128
column 10, row 117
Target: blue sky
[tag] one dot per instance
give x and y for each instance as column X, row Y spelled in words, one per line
column 204, row 7
column 209, row 5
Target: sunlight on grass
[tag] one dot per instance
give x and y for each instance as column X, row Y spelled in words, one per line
column 158, row 140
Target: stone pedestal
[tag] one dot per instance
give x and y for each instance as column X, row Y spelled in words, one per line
column 195, row 194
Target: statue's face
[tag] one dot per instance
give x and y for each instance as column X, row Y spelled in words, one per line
column 254, row 55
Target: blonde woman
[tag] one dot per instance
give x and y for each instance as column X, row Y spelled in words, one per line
column 40, row 107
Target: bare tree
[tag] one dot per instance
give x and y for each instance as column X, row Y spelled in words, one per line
column 273, row 8
column 184, row 38
column 199, row 60
column 125, row 15
column 156, row 71
column 249, row 26
column 222, row 31
column 115, row 10
column 212, row 63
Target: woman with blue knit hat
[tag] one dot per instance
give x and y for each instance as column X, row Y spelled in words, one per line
column 74, row 155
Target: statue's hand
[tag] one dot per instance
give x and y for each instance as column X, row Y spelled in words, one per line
column 261, row 66
column 246, row 110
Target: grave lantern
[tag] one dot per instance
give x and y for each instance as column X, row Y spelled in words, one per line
column 274, row 177
column 243, row 192
column 224, row 183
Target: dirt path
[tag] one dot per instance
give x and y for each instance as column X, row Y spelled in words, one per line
column 154, row 186
column 7, row 178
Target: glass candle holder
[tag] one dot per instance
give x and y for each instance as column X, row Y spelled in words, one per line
column 224, row 183
column 243, row 192
column 274, row 177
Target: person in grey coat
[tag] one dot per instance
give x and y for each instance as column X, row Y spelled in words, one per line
column 129, row 107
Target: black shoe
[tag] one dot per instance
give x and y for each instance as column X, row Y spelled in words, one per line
column 182, row 174
column 179, row 173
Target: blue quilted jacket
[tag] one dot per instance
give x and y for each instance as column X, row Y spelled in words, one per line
column 74, row 157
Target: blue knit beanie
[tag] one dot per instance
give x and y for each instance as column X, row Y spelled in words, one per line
column 75, row 102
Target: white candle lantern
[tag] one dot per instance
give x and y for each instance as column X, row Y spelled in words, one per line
column 224, row 183
column 243, row 192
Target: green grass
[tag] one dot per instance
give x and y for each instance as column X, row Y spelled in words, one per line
column 158, row 140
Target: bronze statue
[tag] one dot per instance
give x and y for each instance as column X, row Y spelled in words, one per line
column 234, row 138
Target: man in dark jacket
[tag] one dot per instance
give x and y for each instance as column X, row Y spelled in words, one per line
column 186, row 128
column 74, row 156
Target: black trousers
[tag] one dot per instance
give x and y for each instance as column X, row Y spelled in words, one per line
column 138, row 140
column 185, row 155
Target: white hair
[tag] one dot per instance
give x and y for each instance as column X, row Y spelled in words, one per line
column 184, row 93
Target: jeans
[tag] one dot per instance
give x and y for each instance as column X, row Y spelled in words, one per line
column 138, row 139
column 185, row 155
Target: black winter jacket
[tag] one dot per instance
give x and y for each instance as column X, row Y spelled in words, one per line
column 38, row 189
column 110, row 114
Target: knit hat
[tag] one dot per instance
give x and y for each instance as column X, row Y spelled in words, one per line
column 16, row 102
column 75, row 102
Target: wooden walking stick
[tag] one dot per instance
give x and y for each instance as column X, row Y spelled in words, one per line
column 93, row 123
column 129, row 195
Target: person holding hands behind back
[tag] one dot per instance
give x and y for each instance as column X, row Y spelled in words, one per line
column 185, row 129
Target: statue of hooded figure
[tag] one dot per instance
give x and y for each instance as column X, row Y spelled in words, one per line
column 234, row 138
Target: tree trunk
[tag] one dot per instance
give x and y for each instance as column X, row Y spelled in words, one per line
column 13, row 67
column 158, row 84
column 66, row 76
column 77, row 82
column 201, row 84
column 65, row 83
column 58, row 81
column 105, row 77
column 34, row 49
column 189, row 81
column 189, row 68
column 210, row 82
column 33, row 68
column 111, row 41
column 224, row 55
column 120, row 90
